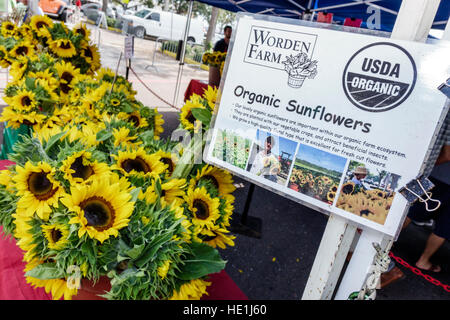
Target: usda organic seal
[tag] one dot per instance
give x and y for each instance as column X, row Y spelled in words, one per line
column 379, row 77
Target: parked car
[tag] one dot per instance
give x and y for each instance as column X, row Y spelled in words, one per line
column 57, row 9
column 91, row 10
column 149, row 22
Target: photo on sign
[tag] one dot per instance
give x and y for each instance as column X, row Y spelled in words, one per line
column 271, row 157
column 367, row 191
column 232, row 148
column 317, row 173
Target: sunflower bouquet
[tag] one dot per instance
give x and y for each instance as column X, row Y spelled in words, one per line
column 214, row 59
column 95, row 193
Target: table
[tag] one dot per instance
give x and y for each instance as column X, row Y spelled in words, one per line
column 14, row 287
column 195, row 86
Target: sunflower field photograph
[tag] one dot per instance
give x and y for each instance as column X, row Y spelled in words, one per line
column 367, row 191
column 92, row 185
column 317, row 173
column 232, row 148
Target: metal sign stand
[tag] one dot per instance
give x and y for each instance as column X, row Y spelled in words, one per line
column 413, row 23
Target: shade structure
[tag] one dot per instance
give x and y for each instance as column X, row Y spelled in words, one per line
column 341, row 9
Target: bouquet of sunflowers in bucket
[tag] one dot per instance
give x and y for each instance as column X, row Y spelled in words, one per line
column 95, row 192
column 215, row 59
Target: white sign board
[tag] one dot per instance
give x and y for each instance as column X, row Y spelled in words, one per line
column 129, row 47
column 338, row 121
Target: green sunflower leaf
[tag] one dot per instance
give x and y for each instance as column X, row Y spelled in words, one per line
column 45, row 271
column 202, row 114
column 204, row 260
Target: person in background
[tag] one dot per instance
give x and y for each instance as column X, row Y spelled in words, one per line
column 265, row 163
column 358, row 177
column 222, row 45
column 438, row 171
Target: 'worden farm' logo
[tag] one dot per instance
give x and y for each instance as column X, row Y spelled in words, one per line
column 379, row 77
column 283, row 50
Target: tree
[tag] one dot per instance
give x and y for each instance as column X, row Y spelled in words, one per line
column 212, row 25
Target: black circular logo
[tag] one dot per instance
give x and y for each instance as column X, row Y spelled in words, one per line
column 379, row 77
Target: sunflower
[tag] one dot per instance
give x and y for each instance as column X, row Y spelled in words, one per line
column 158, row 122
column 164, row 269
column 56, row 235
column 81, row 29
column 331, row 195
column 222, row 180
column 172, row 192
column 192, row 290
column 91, row 55
column 45, row 78
column 79, row 168
column 348, row 187
column 205, row 209
column 15, row 119
column 40, row 25
column 187, row 119
column 8, row 29
column 210, row 94
column 23, row 49
column 38, row 189
column 68, row 76
column 24, row 100
column 5, row 62
column 58, row 288
column 134, row 118
column 169, row 159
column 138, row 162
column 63, row 48
column 216, row 237
column 101, row 208
column 122, row 137
column 18, row 68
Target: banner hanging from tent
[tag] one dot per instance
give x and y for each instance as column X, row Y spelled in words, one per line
column 338, row 121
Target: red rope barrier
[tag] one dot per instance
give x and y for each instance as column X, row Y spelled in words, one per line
column 419, row 272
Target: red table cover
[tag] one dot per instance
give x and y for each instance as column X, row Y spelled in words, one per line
column 14, row 287
column 195, row 86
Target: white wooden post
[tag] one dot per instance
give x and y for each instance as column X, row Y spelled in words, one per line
column 413, row 22
column 330, row 259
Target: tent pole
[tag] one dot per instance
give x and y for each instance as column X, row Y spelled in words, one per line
column 183, row 50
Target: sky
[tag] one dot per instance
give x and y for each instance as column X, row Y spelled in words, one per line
column 321, row 158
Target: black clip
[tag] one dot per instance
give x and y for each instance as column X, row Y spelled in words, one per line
column 415, row 189
column 445, row 88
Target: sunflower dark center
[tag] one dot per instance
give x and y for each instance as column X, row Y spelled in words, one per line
column 98, row 213
column 137, row 164
column 347, row 189
column 9, row 27
column 40, row 24
column 88, row 53
column 81, row 171
column 22, row 50
column 67, row 76
column 135, row 120
column 81, row 31
column 64, row 87
column 26, row 101
column 212, row 179
column 40, row 186
column 202, row 209
column 190, row 117
column 65, row 45
column 56, row 235
column 169, row 163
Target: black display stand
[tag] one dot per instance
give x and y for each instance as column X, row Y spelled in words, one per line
column 243, row 223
